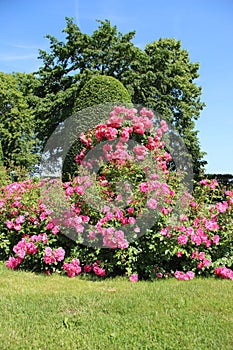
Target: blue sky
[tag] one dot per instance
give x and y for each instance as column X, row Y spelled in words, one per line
column 205, row 28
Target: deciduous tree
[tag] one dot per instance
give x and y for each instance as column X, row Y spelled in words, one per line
column 161, row 77
column 17, row 125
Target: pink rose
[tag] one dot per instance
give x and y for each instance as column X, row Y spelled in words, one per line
column 216, row 239
column 69, row 191
column 17, row 227
column 152, row 203
column 159, row 275
column 99, row 271
column 133, row 278
column 139, row 128
column 114, row 121
column 201, row 256
column 182, row 239
column 12, row 263
column 9, row 224
column 144, row 187
column 59, row 254
column 55, row 230
column 87, row 268
column 179, row 254
column 124, row 136
column 111, row 133
column 31, row 248
column 20, row 219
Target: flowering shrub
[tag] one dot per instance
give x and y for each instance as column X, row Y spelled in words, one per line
column 125, row 213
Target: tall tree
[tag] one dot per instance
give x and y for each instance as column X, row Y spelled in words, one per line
column 164, row 80
column 1, row 155
column 161, row 77
column 17, row 125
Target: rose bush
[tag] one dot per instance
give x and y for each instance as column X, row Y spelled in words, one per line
column 127, row 212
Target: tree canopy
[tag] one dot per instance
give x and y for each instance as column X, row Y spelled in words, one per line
column 161, row 77
column 17, row 124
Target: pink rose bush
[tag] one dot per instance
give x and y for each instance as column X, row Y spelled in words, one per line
column 126, row 218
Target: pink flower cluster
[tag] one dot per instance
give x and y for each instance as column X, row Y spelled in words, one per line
column 23, row 247
column 192, row 237
column 73, row 269
column 180, row 275
column 16, row 224
column 114, row 239
column 138, row 124
column 133, row 278
column 96, row 268
column 122, row 123
column 12, row 262
column 209, row 183
column 52, row 256
column 224, row 272
column 203, row 262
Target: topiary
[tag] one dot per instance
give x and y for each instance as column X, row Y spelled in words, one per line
column 95, row 101
column 102, row 89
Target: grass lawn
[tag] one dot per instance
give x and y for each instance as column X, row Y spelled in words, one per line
column 55, row 312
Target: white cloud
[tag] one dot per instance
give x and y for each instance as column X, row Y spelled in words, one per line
column 23, row 46
column 17, row 57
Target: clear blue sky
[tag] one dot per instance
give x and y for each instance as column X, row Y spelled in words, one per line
column 205, row 28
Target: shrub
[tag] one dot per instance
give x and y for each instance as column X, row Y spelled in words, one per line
column 97, row 91
column 102, row 89
column 124, row 215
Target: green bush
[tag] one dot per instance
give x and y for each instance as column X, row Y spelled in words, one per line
column 95, row 101
column 4, row 176
column 102, row 89
column 1, row 155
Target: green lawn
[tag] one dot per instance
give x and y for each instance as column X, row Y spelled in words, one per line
column 55, row 312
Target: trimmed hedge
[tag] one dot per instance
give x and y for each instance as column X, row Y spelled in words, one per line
column 102, row 89
column 95, row 101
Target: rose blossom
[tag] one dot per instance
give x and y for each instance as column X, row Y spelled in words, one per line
column 182, row 239
column 133, row 278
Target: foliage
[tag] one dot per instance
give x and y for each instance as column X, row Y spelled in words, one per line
column 102, row 89
column 161, row 77
column 1, row 155
column 225, row 180
column 4, row 176
column 17, row 125
column 99, row 91
column 99, row 222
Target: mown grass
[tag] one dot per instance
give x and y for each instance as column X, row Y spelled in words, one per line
column 55, row 312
